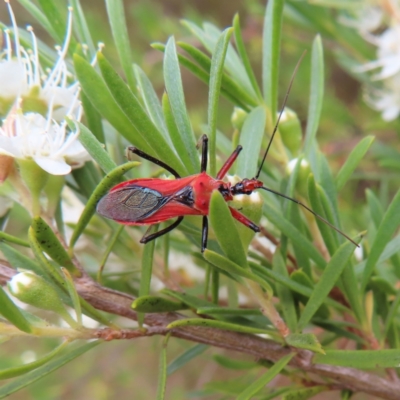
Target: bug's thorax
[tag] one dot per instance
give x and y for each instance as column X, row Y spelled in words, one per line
column 204, row 185
column 246, row 186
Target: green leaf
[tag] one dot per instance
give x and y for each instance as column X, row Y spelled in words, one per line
column 251, row 137
column 276, row 218
column 244, row 57
column 23, row 369
column 231, row 267
column 387, row 227
column 73, row 294
column 356, row 155
column 173, row 84
column 82, row 28
column 212, row 323
column 93, row 119
column 284, row 294
column 151, row 102
column 375, row 207
column 226, row 231
column 230, row 363
column 103, row 187
column 304, row 393
column 44, row 370
column 13, row 314
column 362, row 359
column 216, row 71
column 18, row 260
column 185, row 357
column 50, row 244
column 330, row 275
column 260, row 383
column 271, row 54
column 316, row 93
column 228, row 310
column 116, row 17
column 162, row 373
column 95, row 149
column 55, row 19
column 13, row 239
column 156, row 304
column 307, row 341
column 100, row 96
column 147, row 268
column 133, row 109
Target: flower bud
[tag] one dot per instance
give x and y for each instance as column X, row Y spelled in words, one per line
column 238, row 117
column 34, row 290
column 304, row 171
column 290, row 130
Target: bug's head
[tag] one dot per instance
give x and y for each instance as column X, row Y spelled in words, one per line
column 246, row 186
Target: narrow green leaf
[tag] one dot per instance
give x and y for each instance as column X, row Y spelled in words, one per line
column 271, row 54
column 54, row 17
column 226, row 231
column 13, row 239
column 260, row 383
column 356, row 155
column 100, row 96
column 284, row 294
column 133, row 109
column 162, row 373
column 18, row 260
column 251, row 136
column 231, row 267
column 103, row 187
column 216, row 71
column 44, row 370
column 230, row 363
column 73, row 294
column 39, row 16
column 50, row 244
column 93, row 118
column 316, row 93
column 212, row 323
column 326, row 231
column 307, row 341
column 151, row 102
column 95, row 149
column 116, row 17
column 375, row 207
column 304, row 393
column 13, row 314
column 362, row 359
column 23, row 369
column 173, row 84
column 275, row 217
column 330, row 275
column 147, row 268
column 156, row 304
column 387, row 227
column 81, row 28
column 185, row 357
column 228, row 311
column 244, row 57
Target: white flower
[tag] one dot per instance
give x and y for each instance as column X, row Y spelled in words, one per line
column 44, row 137
column 365, row 19
column 46, row 141
column 386, row 99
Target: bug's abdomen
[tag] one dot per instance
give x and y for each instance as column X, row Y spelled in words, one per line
column 131, row 204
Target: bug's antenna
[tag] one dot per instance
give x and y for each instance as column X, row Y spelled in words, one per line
column 312, row 212
column 281, row 112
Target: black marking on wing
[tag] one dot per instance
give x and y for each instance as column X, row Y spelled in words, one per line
column 131, row 204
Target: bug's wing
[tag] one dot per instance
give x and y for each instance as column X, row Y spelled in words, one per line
column 131, row 204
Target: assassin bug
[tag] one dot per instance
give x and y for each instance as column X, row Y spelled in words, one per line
column 152, row 200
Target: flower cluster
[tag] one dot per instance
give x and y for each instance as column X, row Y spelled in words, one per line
column 35, row 104
column 379, row 24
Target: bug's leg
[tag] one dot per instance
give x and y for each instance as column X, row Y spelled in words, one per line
column 228, row 163
column 244, row 220
column 154, row 160
column 204, row 153
column 204, row 234
column 147, row 238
